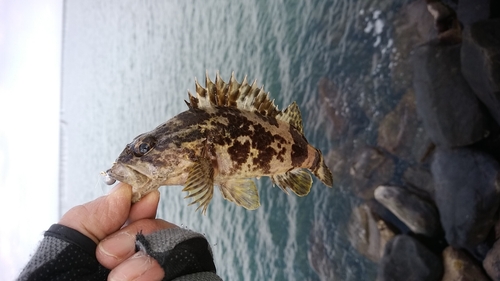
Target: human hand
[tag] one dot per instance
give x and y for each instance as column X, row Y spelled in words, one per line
column 112, row 222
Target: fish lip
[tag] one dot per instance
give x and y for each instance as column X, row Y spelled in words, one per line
column 122, row 177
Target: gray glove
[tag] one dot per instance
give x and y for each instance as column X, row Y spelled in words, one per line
column 182, row 253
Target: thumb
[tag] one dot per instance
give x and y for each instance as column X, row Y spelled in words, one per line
column 102, row 216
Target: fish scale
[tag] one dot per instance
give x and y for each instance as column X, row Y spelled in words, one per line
column 231, row 133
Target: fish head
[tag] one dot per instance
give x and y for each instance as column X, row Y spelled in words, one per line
column 143, row 164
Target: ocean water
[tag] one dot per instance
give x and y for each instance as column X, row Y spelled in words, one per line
column 127, row 66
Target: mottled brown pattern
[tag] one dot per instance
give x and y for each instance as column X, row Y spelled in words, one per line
column 299, row 147
column 232, row 130
column 239, row 153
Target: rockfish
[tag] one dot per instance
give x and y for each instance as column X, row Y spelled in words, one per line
column 230, row 134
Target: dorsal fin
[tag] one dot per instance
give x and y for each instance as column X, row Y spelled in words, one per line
column 292, row 116
column 232, row 94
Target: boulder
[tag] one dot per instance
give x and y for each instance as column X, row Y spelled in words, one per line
column 458, row 266
column 407, row 259
column 451, row 113
column 466, row 194
column 471, row 11
column 419, row 215
column 492, row 262
column 419, row 179
column 371, row 168
column 480, row 57
column 401, row 133
column 413, row 25
column 367, row 234
column 345, row 115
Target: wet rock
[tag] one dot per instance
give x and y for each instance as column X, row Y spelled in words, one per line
column 420, row 216
column 371, row 168
column 481, row 56
column 413, row 26
column 492, row 262
column 466, row 195
column 451, row 113
column 317, row 255
column 367, row 234
column 420, row 181
column 390, row 220
column 445, row 22
column 338, row 163
column 401, row 133
column 332, row 99
column 344, row 115
column 470, row 11
column 407, row 259
column 458, row 266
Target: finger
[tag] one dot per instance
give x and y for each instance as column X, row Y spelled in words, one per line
column 138, row 267
column 121, row 245
column 145, row 208
column 103, row 216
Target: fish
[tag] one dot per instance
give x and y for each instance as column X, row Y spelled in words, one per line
column 231, row 133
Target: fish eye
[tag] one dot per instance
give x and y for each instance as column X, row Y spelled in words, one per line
column 143, row 147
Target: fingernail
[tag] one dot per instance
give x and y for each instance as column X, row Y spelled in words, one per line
column 118, row 246
column 137, row 265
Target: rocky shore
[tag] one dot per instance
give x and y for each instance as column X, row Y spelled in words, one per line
column 436, row 217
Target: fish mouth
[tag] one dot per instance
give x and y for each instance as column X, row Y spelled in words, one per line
column 127, row 174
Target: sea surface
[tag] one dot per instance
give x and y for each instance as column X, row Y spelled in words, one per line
column 127, row 66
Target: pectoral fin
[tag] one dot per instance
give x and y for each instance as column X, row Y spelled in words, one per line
column 242, row 192
column 200, row 183
column 299, row 181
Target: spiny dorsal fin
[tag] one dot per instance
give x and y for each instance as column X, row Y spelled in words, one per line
column 232, row 94
column 292, row 116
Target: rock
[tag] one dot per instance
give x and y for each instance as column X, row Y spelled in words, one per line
column 466, row 194
column 413, row 26
column 470, row 11
column 450, row 111
column 458, row 266
column 334, row 103
column 419, row 179
column 401, row 133
column 492, row 262
column 480, row 53
column 367, row 234
column 345, row 115
column 381, row 212
column 407, row 259
column 370, row 169
column 420, row 216
column 317, row 254
column 445, row 22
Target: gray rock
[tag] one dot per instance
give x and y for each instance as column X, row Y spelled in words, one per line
column 480, row 56
column 370, row 168
column 470, row 11
column 420, row 180
column 407, row 259
column 466, row 194
column 458, row 266
column 401, row 133
column 420, row 216
column 367, row 234
column 492, row 262
column 451, row 113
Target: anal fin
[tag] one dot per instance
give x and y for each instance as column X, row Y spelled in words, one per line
column 242, row 192
column 200, row 183
column 298, row 180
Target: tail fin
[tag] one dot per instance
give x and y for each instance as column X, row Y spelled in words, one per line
column 320, row 170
